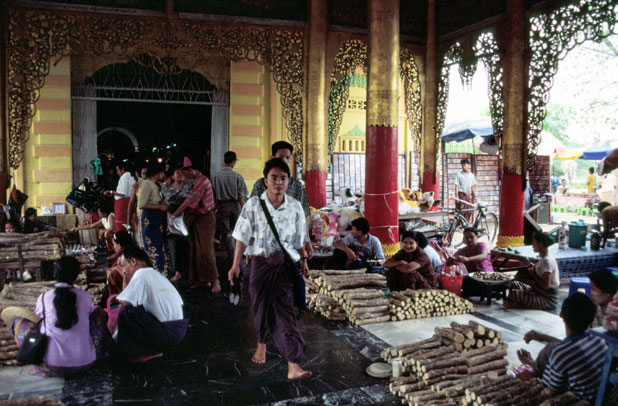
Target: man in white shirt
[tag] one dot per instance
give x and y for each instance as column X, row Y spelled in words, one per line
column 465, row 189
column 121, row 195
column 151, row 319
column 271, row 279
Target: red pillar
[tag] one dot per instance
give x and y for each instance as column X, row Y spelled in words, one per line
column 315, row 186
column 431, row 183
column 316, row 150
column 511, row 231
column 381, row 199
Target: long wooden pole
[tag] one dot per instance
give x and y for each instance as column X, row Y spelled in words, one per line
column 430, row 146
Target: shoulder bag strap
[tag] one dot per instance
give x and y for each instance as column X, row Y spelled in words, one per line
column 274, row 230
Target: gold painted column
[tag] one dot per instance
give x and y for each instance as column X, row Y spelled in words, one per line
column 316, row 152
column 382, row 120
column 513, row 142
column 4, row 157
column 430, row 147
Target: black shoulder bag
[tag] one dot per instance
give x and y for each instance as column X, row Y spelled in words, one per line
column 300, row 294
column 34, row 346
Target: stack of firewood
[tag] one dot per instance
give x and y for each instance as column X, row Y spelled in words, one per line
column 23, row 294
column 414, row 304
column 468, row 337
column 480, row 390
column 8, row 347
column 430, row 359
column 326, row 305
column 508, row 391
column 28, row 250
column 348, row 294
column 46, row 400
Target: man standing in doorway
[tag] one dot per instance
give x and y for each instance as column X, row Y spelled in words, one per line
column 272, row 278
column 284, row 150
column 465, row 189
column 121, row 196
column 202, row 223
column 230, row 194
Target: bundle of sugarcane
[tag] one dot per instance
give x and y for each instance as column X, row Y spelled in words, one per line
column 413, row 304
column 510, row 391
column 326, row 305
column 28, row 250
column 8, row 348
column 467, row 337
column 46, row 400
column 353, row 293
column 333, row 282
column 23, row 294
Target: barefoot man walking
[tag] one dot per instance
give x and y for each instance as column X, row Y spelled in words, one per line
column 271, row 281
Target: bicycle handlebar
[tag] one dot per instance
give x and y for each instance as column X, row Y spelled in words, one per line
column 475, row 205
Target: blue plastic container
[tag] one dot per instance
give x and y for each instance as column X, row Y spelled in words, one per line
column 577, row 234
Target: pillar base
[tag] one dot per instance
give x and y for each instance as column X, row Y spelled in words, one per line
column 315, row 186
column 431, row 183
column 381, row 200
column 511, row 211
column 390, row 249
column 510, row 241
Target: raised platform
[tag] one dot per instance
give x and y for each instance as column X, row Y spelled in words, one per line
column 571, row 262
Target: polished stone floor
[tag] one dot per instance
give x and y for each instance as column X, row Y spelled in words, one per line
column 212, row 366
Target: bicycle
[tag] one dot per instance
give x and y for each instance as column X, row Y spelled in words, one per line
column 486, row 223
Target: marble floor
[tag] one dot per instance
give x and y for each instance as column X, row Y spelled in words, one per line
column 212, row 366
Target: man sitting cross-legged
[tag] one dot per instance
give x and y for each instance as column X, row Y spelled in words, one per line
column 576, row 362
column 151, row 318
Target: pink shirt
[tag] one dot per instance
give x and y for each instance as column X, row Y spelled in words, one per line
column 72, row 347
column 476, row 266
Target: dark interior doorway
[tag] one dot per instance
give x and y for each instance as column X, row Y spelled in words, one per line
column 167, row 131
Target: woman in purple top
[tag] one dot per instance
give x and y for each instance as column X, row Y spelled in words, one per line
column 475, row 255
column 74, row 326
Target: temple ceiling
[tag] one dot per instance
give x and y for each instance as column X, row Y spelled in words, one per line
column 452, row 16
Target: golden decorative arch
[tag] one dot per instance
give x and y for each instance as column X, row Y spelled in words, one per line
column 353, row 54
column 37, row 37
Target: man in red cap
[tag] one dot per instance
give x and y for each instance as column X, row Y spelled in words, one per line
column 202, row 223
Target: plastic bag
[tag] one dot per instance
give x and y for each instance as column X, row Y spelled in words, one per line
column 451, row 278
column 176, row 225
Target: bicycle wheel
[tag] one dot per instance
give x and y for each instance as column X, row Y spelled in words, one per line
column 489, row 228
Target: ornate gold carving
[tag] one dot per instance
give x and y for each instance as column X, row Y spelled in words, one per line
column 552, row 35
column 380, row 110
column 351, row 54
column 37, row 37
column 412, row 93
column 486, row 49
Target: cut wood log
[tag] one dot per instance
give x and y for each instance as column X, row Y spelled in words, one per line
column 490, row 366
column 465, row 330
column 484, row 358
column 450, row 334
column 478, row 329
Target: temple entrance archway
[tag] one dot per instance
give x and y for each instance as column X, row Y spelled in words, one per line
column 134, row 112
